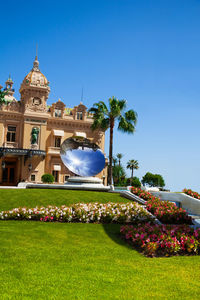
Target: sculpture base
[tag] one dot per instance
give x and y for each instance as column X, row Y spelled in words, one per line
column 86, row 183
column 79, row 180
column 74, row 183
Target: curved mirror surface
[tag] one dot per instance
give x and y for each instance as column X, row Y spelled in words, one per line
column 82, row 157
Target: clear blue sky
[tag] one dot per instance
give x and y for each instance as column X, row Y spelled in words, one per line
column 147, row 52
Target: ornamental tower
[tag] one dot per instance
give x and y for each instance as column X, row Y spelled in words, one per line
column 34, row 90
column 9, row 90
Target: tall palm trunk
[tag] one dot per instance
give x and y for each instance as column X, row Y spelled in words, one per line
column 110, row 152
column 132, row 173
column 131, row 181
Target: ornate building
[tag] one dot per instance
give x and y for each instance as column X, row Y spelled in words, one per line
column 31, row 132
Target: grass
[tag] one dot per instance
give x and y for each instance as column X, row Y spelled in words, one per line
column 31, row 198
column 82, row 261
column 86, row 261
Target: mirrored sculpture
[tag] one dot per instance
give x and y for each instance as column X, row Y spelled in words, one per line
column 82, row 157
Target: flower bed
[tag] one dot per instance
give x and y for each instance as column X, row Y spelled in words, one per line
column 82, row 212
column 143, row 194
column 192, row 193
column 163, row 240
column 167, row 212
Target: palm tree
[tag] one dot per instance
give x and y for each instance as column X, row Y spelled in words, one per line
column 118, row 172
column 119, row 156
column 114, row 161
column 105, row 118
column 132, row 164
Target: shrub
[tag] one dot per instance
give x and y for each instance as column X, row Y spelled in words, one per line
column 167, row 212
column 48, row 178
column 159, row 240
column 192, row 193
column 135, row 181
column 118, row 175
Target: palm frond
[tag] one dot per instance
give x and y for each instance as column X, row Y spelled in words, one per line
column 99, row 106
column 105, row 123
column 122, row 104
column 93, row 110
column 119, row 155
column 125, row 126
column 132, row 164
column 131, row 115
column 114, row 108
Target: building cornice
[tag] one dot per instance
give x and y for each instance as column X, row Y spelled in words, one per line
column 69, row 123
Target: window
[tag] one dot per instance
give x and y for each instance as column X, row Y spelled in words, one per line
column 57, row 142
column 11, row 134
column 79, row 115
column 58, row 113
column 66, row 177
column 56, row 175
column 32, row 177
column 36, row 101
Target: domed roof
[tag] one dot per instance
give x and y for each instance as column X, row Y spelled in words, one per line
column 35, row 77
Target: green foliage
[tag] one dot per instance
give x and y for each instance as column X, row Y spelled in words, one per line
column 122, row 181
column 135, row 181
column 153, row 180
column 105, row 117
column 132, row 164
column 118, row 174
column 119, row 156
column 48, row 178
column 114, row 161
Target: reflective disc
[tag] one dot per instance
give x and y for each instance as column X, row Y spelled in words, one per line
column 82, row 157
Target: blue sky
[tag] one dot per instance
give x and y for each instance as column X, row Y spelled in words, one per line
column 147, row 52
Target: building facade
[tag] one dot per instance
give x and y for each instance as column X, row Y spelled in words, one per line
column 31, row 132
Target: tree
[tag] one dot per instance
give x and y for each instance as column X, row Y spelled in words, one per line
column 104, row 118
column 114, row 161
column 134, row 181
column 153, row 180
column 132, row 164
column 118, row 172
column 119, row 156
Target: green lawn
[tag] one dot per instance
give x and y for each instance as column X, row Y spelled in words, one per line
column 32, row 198
column 86, row 261
column 82, row 261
